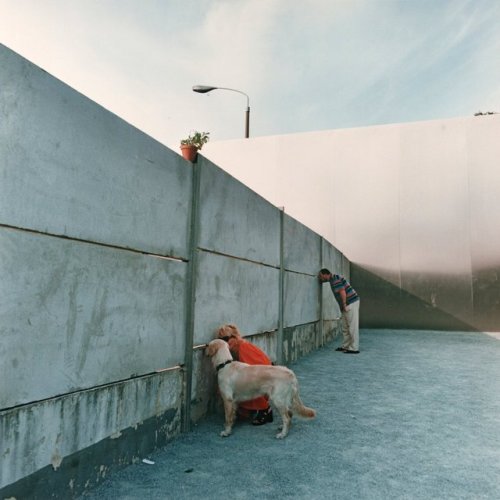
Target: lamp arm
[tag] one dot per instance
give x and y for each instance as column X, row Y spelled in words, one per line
column 239, row 92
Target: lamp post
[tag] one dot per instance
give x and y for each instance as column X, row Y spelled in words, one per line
column 203, row 89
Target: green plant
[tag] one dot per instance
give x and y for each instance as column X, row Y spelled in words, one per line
column 196, row 139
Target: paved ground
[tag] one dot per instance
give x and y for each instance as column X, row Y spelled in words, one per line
column 416, row 415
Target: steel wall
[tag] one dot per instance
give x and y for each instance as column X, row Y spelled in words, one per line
column 413, row 206
column 483, row 146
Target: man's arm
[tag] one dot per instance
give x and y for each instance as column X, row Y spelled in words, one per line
column 343, row 299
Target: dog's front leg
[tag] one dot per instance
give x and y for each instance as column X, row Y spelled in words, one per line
column 230, row 413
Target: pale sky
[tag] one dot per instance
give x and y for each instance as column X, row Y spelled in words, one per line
column 307, row 65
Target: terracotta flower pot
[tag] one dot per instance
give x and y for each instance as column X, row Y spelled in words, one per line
column 189, row 152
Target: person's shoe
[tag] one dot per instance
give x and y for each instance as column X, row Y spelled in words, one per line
column 341, row 349
column 263, row 417
column 348, row 351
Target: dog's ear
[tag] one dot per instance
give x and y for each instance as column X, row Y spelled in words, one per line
column 208, row 350
column 211, row 348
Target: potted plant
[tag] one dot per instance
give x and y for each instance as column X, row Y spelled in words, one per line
column 193, row 143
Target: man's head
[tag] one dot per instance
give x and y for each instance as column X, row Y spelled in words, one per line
column 324, row 275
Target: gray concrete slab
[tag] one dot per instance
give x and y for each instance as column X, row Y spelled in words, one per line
column 415, row 415
column 83, row 310
column 69, row 167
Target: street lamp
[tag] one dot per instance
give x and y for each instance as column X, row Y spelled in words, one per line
column 203, row 89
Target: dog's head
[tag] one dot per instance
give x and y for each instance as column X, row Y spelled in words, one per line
column 214, row 346
column 226, row 332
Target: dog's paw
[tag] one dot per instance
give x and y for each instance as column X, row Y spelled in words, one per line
column 281, row 435
column 225, row 434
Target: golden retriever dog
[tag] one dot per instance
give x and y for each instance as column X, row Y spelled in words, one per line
column 242, row 382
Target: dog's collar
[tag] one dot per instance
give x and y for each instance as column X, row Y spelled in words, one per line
column 222, row 365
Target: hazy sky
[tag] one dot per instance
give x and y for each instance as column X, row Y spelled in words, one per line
column 306, row 64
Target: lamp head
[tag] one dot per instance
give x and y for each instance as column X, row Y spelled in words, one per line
column 203, row 89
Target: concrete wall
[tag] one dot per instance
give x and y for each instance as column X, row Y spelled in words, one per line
column 412, row 205
column 118, row 261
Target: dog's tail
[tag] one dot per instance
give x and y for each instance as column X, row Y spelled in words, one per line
column 298, row 406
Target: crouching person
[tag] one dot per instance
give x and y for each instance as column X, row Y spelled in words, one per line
column 257, row 410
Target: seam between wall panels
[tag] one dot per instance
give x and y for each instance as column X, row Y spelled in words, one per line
column 91, row 389
column 91, row 242
column 243, row 259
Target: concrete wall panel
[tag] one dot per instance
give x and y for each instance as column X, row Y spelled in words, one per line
column 332, row 258
column 302, row 247
column 70, row 423
column 301, row 299
column 76, row 315
column 263, row 164
column 235, row 220
column 346, row 267
column 235, row 291
column 96, row 226
column 69, row 167
column 331, row 310
column 336, row 262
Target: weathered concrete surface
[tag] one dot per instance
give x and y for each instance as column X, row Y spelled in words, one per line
column 50, row 432
column 76, row 315
column 70, row 167
column 301, row 340
column 95, row 249
column 301, row 299
column 235, row 291
column 302, row 247
column 333, row 259
column 235, row 220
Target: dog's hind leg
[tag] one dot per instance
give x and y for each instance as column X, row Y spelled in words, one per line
column 230, row 415
column 286, row 417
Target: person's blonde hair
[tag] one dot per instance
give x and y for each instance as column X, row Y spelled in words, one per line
column 225, row 332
